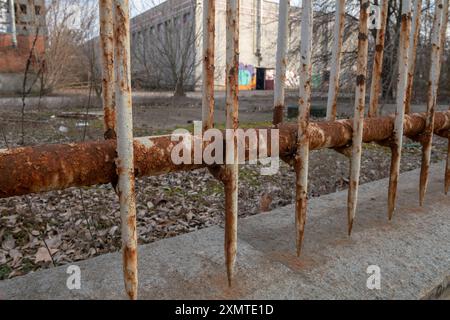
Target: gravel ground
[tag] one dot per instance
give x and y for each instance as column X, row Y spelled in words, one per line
column 39, row 231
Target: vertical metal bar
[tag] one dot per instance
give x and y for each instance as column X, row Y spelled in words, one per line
column 12, row 12
column 375, row 87
column 443, row 39
column 433, row 85
column 280, row 71
column 396, row 145
column 447, row 167
column 209, row 27
column 107, row 50
column 125, row 166
column 333, row 89
column 358, row 121
column 232, row 123
column 413, row 41
column 302, row 155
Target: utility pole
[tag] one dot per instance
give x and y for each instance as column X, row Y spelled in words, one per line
column 12, row 13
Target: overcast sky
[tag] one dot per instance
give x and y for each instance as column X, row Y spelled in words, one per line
column 139, row 6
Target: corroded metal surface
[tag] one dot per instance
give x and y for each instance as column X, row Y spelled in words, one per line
column 413, row 41
column 443, row 38
column 397, row 138
column 231, row 178
column 333, row 89
column 427, row 137
column 125, row 152
column 375, row 87
column 301, row 162
column 358, row 120
column 55, row 167
column 209, row 27
column 107, row 50
column 281, row 62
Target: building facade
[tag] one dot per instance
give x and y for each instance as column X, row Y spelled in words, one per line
column 168, row 38
column 179, row 22
column 22, row 30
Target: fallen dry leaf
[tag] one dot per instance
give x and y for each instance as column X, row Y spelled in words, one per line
column 9, row 244
column 16, row 255
column 42, row 255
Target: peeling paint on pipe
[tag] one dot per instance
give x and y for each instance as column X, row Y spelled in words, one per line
column 46, row 168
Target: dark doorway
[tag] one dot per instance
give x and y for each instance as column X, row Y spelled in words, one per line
column 260, row 78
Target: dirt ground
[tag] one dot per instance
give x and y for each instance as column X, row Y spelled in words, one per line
column 39, row 231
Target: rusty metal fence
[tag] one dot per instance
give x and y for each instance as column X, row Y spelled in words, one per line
column 121, row 158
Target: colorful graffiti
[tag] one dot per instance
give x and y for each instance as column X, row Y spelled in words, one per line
column 247, row 77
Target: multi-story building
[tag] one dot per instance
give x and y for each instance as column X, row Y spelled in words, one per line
column 168, row 38
column 181, row 21
column 22, row 30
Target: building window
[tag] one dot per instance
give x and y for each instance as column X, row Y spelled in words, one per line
column 23, row 9
column 37, row 10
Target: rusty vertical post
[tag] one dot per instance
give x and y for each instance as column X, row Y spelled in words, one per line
column 433, row 84
column 358, row 121
column 397, row 141
column 232, row 123
column 375, row 86
column 302, row 155
column 413, row 41
column 209, row 27
column 333, row 89
column 443, row 39
column 280, row 71
column 445, row 16
column 107, row 51
column 124, row 163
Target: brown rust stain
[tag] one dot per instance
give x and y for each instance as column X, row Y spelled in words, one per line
column 278, row 114
column 55, row 167
column 360, row 80
column 129, row 271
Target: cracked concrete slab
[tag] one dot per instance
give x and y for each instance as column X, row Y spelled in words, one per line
column 412, row 252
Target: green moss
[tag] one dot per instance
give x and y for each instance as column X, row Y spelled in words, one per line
column 28, row 266
column 4, row 272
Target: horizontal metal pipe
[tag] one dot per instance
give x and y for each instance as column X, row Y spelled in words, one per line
column 55, row 167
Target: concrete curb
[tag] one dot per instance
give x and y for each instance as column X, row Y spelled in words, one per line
column 412, row 251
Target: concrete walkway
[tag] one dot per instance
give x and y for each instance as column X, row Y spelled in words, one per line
column 412, row 251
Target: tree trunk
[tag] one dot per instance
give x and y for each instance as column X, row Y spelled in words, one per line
column 179, row 89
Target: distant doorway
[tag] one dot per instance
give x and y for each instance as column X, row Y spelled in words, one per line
column 260, row 78
column 265, row 78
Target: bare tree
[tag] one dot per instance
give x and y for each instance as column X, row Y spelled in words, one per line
column 324, row 21
column 69, row 26
column 164, row 54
